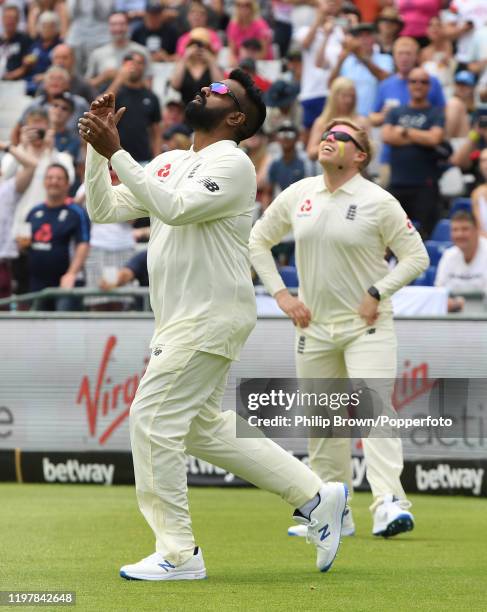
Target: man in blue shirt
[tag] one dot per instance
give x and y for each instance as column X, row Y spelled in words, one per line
column 365, row 67
column 413, row 132
column 55, row 225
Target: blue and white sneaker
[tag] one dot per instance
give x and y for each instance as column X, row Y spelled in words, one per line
column 325, row 523
column 392, row 517
column 156, row 567
column 348, row 526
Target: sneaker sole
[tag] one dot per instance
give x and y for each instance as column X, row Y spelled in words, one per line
column 327, row 567
column 201, row 575
column 401, row 524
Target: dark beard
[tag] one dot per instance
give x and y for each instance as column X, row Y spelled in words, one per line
column 201, row 118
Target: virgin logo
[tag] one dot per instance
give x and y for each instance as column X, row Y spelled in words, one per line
column 107, row 403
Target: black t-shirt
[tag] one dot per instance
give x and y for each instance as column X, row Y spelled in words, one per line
column 143, row 110
column 191, row 86
column 14, row 50
column 414, row 165
column 165, row 38
column 138, row 265
column 53, row 231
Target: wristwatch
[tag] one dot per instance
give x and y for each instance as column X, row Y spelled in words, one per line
column 374, row 292
column 404, row 131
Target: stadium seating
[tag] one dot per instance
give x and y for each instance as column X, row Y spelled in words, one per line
column 436, row 249
column 442, row 231
column 289, row 276
column 460, row 204
column 427, row 279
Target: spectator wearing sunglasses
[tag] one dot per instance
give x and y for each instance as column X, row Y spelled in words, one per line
column 200, row 203
column 197, row 67
column 414, row 131
column 60, row 110
column 342, row 224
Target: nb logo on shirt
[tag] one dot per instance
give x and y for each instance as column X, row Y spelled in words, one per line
column 209, row 184
column 351, row 212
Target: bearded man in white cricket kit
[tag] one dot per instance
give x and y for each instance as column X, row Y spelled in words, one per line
column 342, row 224
column 200, row 204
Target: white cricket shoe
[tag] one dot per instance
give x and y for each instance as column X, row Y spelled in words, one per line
column 348, row 526
column 325, row 523
column 392, row 517
column 155, row 567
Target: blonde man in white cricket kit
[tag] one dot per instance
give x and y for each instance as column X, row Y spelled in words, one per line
column 342, row 224
column 200, row 203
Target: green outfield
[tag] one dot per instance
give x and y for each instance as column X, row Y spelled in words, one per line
column 76, row 537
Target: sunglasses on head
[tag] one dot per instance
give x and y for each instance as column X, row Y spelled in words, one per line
column 222, row 90
column 341, row 137
column 419, row 81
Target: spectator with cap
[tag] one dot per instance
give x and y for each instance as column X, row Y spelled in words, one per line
column 178, row 136
column 323, row 39
column 365, row 67
column 157, row 33
column 60, row 110
column 247, row 23
column 105, row 61
column 197, row 17
column 88, row 28
column 414, row 131
column 282, row 105
column 38, row 60
column 290, row 167
column 139, row 127
column 388, row 24
column 197, row 68
column 342, row 102
column 172, row 114
column 63, row 56
column 14, row 46
column 249, row 65
column 463, row 267
column 460, row 106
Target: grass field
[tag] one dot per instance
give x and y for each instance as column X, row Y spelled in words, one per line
column 76, row 537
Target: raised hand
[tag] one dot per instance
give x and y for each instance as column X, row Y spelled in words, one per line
column 103, row 106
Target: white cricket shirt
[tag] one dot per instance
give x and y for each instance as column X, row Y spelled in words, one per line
column 341, row 238
column 200, row 206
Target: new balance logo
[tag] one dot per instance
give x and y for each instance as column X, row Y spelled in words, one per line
column 324, row 532
column 209, row 184
column 370, row 331
column 351, row 212
column 301, row 344
column 166, row 565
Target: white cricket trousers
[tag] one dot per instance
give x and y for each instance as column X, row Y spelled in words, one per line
column 176, row 411
column 353, row 350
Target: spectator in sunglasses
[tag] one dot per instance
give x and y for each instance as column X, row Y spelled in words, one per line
column 414, row 131
column 197, row 67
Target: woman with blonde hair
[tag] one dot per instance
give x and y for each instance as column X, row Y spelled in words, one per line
column 246, row 23
column 341, row 103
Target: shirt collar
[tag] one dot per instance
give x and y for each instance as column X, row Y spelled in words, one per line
column 350, row 187
column 217, row 147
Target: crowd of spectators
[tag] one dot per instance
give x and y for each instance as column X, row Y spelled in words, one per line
column 411, row 72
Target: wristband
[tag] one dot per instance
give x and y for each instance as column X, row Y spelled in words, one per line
column 474, row 136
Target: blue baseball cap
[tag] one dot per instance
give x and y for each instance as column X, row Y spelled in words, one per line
column 465, row 77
